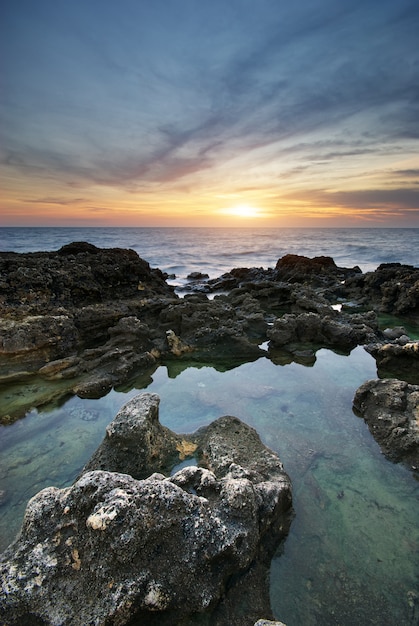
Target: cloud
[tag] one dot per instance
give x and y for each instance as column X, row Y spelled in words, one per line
column 59, row 201
column 153, row 99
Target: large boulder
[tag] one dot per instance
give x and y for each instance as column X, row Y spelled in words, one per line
column 391, row 409
column 319, row 271
column 77, row 275
column 114, row 549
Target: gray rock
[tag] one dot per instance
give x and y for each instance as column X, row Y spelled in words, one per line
column 391, row 408
column 399, row 359
column 112, row 549
column 337, row 330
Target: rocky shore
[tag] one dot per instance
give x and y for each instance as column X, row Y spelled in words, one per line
column 136, row 541
column 142, row 544
column 82, row 320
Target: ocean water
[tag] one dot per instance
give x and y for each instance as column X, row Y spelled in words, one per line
column 181, row 251
column 352, row 554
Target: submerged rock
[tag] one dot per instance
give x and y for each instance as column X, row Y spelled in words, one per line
column 391, row 409
column 115, row 549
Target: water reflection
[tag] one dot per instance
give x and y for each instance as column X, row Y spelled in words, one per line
column 351, row 556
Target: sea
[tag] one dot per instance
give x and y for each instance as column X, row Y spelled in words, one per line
column 180, row 251
column 352, row 554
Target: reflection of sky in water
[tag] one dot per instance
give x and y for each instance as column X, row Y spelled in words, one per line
column 350, row 556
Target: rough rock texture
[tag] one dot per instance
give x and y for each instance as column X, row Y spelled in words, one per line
column 87, row 319
column 337, row 330
column 77, row 275
column 320, row 270
column 397, row 360
column 392, row 288
column 114, row 550
column 391, row 409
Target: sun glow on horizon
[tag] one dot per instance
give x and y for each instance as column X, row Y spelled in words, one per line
column 243, row 210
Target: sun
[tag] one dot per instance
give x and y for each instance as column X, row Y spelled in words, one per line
column 243, row 210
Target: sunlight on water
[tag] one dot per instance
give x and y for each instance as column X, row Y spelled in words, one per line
column 351, row 556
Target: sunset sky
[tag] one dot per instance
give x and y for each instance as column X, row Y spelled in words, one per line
column 209, row 112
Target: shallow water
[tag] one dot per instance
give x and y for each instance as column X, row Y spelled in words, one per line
column 351, row 556
column 352, row 553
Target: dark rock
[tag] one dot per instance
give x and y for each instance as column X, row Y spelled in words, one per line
column 36, row 339
column 391, row 408
column 197, row 276
column 391, row 288
column 399, row 359
column 318, row 271
column 77, row 275
column 338, row 331
column 112, row 549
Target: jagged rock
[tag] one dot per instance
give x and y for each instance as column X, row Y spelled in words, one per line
column 114, row 550
column 319, row 270
column 391, row 409
column 339, row 331
column 391, row 288
column 76, row 275
column 397, row 360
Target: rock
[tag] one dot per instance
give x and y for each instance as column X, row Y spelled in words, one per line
column 36, row 339
column 136, row 443
column 320, row 270
column 395, row 333
column 176, row 345
column 338, row 331
column 266, row 622
column 391, row 288
column 77, row 275
column 391, row 409
column 197, row 276
column 397, row 360
column 114, row 549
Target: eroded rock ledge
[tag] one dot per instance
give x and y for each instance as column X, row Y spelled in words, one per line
column 118, row 548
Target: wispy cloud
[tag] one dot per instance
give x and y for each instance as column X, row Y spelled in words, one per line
column 234, row 93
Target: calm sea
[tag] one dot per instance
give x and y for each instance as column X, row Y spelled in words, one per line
column 353, row 550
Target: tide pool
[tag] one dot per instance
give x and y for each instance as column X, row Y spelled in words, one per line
column 352, row 553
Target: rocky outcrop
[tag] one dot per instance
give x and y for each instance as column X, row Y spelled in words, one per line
column 320, row 271
column 391, row 288
column 77, row 275
column 87, row 319
column 336, row 331
column 391, row 409
column 79, row 313
column 116, row 548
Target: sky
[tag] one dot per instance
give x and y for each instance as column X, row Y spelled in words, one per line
column 209, row 113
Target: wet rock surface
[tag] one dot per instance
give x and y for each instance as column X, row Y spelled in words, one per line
column 157, row 550
column 89, row 319
column 391, row 409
